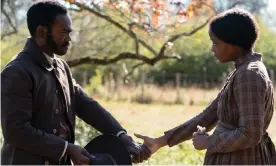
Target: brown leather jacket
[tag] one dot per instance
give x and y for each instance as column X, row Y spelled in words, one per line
column 30, row 122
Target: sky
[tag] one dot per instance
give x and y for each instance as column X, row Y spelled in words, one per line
column 271, row 12
column 272, row 4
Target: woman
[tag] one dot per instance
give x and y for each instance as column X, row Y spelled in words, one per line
column 242, row 110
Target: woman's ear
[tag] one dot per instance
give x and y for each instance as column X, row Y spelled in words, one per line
column 234, row 48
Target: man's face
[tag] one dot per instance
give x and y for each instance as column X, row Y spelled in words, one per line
column 58, row 37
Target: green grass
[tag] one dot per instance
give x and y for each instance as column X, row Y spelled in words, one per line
column 152, row 120
column 180, row 154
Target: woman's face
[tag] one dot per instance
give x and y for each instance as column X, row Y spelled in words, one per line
column 223, row 51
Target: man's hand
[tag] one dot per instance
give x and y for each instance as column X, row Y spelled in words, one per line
column 153, row 143
column 78, row 155
column 138, row 151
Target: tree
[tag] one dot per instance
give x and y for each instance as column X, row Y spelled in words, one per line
column 135, row 31
column 146, row 22
column 11, row 16
column 152, row 26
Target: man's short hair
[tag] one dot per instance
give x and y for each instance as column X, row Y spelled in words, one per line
column 43, row 13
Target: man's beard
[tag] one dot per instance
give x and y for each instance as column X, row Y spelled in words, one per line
column 51, row 42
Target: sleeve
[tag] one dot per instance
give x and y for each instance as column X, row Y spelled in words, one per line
column 94, row 114
column 90, row 111
column 207, row 118
column 249, row 94
column 16, row 119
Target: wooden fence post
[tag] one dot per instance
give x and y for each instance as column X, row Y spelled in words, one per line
column 143, row 77
column 177, row 83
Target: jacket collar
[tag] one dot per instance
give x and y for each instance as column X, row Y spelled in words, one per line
column 51, row 60
column 32, row 49
column 248, row 57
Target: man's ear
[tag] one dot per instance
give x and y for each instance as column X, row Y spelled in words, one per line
column 41, row 32
column 41, row 35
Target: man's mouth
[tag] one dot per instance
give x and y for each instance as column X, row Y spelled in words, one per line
column 66, row 46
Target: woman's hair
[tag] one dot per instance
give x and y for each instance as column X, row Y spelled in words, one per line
column 237, row 27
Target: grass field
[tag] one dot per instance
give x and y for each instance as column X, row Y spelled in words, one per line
column 162, row 113
column 154, row 119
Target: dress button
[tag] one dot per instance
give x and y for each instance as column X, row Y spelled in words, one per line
column 46, row 162
column 54, row 131
column 56, row 91
column 57, row 111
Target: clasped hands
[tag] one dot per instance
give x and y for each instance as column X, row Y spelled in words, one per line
column 200, row 141
column 138, row 151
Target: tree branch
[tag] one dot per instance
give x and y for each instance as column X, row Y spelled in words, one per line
column 11, row 24
column 117, row 24
column 121, row 56
column 136, row 39
column 2, row 4
column 132, row 70
column 128, row 55
column 8, row 34
column 106, row 61
column 177, row 36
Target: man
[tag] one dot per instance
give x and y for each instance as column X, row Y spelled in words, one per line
column 40, row 98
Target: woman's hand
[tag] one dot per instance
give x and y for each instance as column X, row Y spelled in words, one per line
column 200, row 138
column 200, row 141
column 152, row 143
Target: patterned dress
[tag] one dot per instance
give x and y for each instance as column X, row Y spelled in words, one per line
column 241, row 113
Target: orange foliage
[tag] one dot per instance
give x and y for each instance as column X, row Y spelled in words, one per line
column 156, row 12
